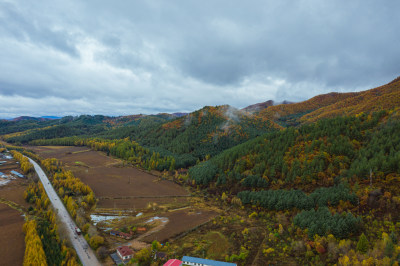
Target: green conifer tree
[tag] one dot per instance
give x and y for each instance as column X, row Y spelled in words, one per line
column 362, row 244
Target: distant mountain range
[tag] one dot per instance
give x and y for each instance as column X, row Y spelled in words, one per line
column 42, row 118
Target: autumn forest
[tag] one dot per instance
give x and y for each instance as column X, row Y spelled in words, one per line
column 321, row 177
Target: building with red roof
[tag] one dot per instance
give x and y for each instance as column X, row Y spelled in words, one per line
column 173, row 262
column 125, row 253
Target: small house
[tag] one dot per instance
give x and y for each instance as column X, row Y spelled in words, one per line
column 125, row 253
column 186, row 260
column 173, row 262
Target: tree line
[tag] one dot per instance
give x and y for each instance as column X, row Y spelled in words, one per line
column 55, row 251
column 289, row 199
column 26, row 166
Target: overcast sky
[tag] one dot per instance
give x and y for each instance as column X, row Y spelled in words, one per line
column 128, row 57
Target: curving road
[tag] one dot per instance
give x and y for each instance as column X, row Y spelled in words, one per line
column 85, row 253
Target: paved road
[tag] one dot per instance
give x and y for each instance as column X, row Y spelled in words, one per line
column 85, row 253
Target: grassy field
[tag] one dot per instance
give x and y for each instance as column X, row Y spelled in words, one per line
column 218, row 244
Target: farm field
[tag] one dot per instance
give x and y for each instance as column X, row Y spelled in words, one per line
column 116, row 186
column 14, row 191
column 120, row 188
column 12, row 242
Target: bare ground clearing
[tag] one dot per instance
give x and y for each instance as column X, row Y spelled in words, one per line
column 179, row 222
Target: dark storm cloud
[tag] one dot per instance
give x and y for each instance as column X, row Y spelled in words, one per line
column 125, row 57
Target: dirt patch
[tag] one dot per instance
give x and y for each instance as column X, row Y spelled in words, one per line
column 12, row 244
column 14, row 191
column 139, row 203
column 180, row 222
column 138, row 245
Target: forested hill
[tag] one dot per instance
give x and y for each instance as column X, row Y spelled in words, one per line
column 205, row 132
column 310, row 156
column 189, row 138
column 334, row 104
column 85, row 125
column 385, row 97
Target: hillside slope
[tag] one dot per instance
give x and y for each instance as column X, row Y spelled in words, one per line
column 311, row 156
column 205, row 132
column 385, row 97
column 288, row 114
column 334, row 104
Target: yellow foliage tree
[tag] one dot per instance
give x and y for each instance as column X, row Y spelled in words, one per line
column 34, row 253
column 26, row 166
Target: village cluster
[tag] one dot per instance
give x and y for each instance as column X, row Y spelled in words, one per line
column 7, row 175
column 124, row 254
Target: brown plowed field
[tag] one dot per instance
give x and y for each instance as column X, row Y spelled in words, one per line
column 107, row 178
column 12, row 239
column 130, row 188
column 12, row 243
column 14, row 191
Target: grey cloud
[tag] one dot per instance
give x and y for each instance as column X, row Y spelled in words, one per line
column 148, row 56
column 28, row 30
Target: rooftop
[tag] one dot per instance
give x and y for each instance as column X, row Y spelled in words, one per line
column 173, row 262
column 17, row 174
column 125, row 251
column 206, row 261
